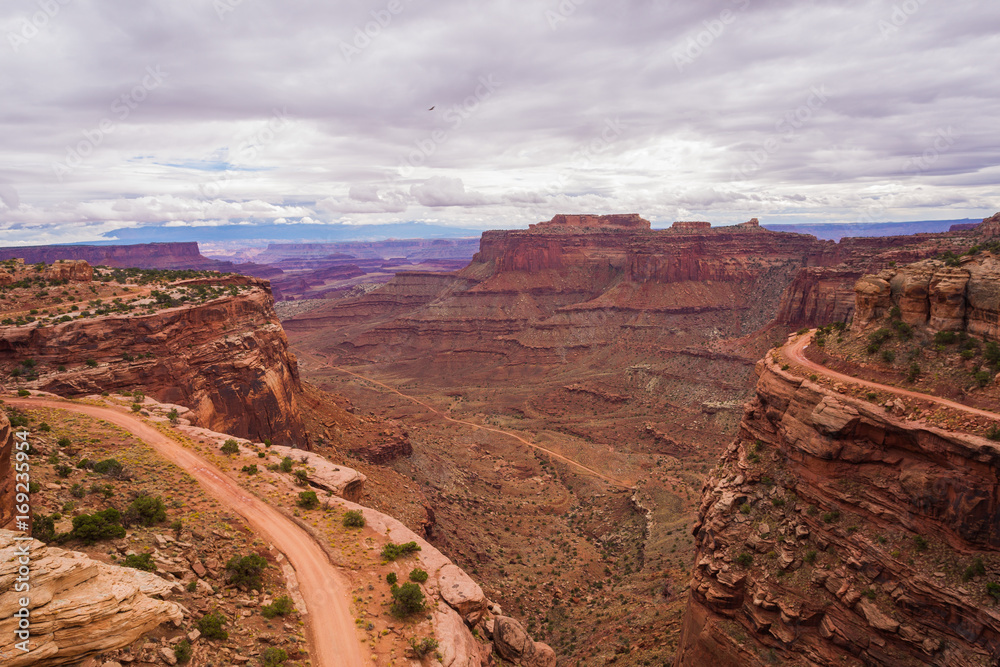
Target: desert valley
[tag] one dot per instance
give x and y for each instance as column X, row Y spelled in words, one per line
column 589, row 443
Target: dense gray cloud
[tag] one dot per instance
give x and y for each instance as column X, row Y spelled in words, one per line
column 210, row 111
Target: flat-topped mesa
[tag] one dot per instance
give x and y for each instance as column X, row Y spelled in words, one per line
column 690, row 226
column 591, row 221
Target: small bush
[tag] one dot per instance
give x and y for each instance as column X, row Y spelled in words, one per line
column 230, row 447
column 903, row 330
column 92, row 363
column 64, row 470
column 895, row 313
column 888, row 356
column 308, row 500
column 393, row 551
column 102, row 525
column 173, row 416
column 745, row 508
column 64, row 442
column 983, row 378
column 423, row 646
column 44, row 428
column 354, row 519
column 920, row 543
column 140, row 562
column 273, row 657
column 831, row 517
column 810, row 556
column 109, row 467
column 418, row 575
column 78, row 491
column 280, row 607
column 250, row 469
column 23, row 392
column 945, row 337
column 211, row 626
column 286, row 464
column 182, row 651
column 246, row 570
column 744, row 559
column 976, row 569
column 146, row 510
column 914, row 372
column 993, row 433
column 43, row 527
column 407, row 599
column 871, row 396
column 391, row 578
column 301, row 478
column 993, row 590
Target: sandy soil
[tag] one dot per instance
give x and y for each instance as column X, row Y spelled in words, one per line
column 333, row 639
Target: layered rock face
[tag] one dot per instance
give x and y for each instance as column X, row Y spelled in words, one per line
column 78, row 607
column 6, row 473
column 833, row 533
column 73, row 270
column 145, row 256
column 930, row 293
column 591, row 221
column 227, row 359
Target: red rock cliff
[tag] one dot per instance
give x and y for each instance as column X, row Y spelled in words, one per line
column 6, row 473
column 227, row 359
column 809, row 534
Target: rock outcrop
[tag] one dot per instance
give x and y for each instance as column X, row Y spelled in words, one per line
column 591, row 221
column 833, row 533
column 77, row 607
column 226, row 359
column 70, row 270
column 513, row 643
column 934, row 294
column 6, row 471
column 183, row 255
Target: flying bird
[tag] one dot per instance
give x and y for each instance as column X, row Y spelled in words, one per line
column 432, row 108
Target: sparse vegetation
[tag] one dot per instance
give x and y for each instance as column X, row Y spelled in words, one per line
column 354, row 519
column 392, row 551
column 212, row 625
column 246, row 571
column 280, row 607
column 418, row 575
column 407, row 599
column 230, row 447
column 142, row 561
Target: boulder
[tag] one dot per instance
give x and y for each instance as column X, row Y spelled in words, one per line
column 513, row 643
column 79, row 607
column 462, row 593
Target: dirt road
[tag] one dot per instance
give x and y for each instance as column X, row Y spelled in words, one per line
column 570, row 462
column 332, row 637
column 796, row 352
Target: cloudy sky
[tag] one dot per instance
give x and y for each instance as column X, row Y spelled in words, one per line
column 119, row 113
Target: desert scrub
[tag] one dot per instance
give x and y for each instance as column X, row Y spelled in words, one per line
column 393, row 551
column 246, row 570
column 418, row 575
column 354, row 519
column 744, row 559
column 280, row 607
column 212, row 625
column 140, row 562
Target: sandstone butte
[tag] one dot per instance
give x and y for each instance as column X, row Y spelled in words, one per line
column 226, row 359
column 794, row 565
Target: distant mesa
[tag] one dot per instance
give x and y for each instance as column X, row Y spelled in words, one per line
column 690, row 226
column 591, row 221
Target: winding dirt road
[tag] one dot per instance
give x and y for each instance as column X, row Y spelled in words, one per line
column 509, row 434
column 332, row 637
column 796, row 352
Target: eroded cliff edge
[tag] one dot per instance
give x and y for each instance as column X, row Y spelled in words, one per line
column 226, row 358
column 834, row 533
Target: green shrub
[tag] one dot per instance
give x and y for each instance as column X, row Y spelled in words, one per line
column 173, row 416
column 44, row 428
column 418, row 575
column 888, row 356
column 903, row 330
column 63, row 470
column 993, row 433
column 211, row 626
column 878, row 337
column 23, row 392
column 43, row 527
column 354, row 519
column 64, row 442
column 914, row 372
column 744, row 559
column 407, row 599
column 920, row 543
column 393, row 551
column 871, row 396
column 991, row 353
column 250, row 469
column 983, row 378
column 146, row 510
column 230, row 447
column 280, row 607
column 109, row 467
column 945, row 337
column 92, row 363
column 77, row 491
column 830, row 517
column 182, row 651
column 423, row 646
column 993, row 590
column 308, row 500
column 895, row 313
column 976, row 569
column 745, row 508
column 286, row 464
column 102, row 525
column 136, row 407
column 246, row 570
column 192, row 586
column 810, row 556
column 391, row 578
column 140, row 562
column 273, row 657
